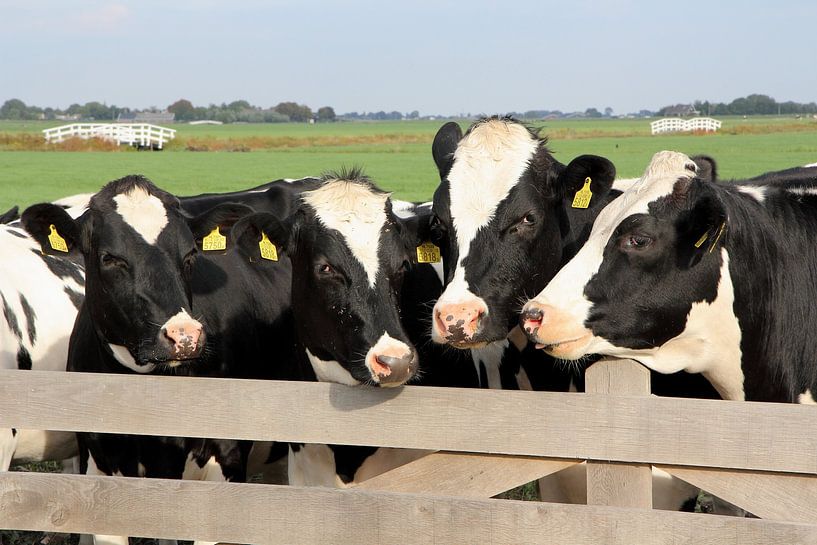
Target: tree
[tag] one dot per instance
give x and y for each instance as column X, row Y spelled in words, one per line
column 13, row 108
column 592, row 112
column 183, row 109
column 294, row 111
column 326, row 113
column 608, row 111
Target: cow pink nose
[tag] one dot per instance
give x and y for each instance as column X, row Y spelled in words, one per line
column 185, row 336
column 458, row 322
column 531, row 318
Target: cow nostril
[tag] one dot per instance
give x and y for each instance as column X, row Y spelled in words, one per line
column 532, row 317
column 438, row 318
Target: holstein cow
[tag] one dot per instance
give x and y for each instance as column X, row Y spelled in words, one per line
column 143, row 269
column 40, row 295
column 351, row 257
column 503, row 219
column 507, row 217
column 680, row 274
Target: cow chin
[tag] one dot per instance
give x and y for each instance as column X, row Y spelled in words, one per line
column 569, row 349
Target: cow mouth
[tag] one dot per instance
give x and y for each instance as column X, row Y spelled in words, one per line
column 467, row 344
column 568, row 349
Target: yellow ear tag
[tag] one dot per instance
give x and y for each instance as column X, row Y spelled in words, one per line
column 268, row 249
column 428, row 252
column 56, row 241
column 702, row 240
column 214, row 241
column 583, row 196
column 717, row 238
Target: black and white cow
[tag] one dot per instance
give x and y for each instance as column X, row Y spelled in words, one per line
column 681, row 274
column 353, row 272
column 143, row 271
column 40, row 295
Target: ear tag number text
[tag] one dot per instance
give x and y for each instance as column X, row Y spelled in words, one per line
column 214, row 241
column 56, row 241
column 583, row 196
column 268, row 249
column 428, row 252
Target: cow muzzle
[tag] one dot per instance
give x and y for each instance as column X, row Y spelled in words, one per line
column 458, row 323
column 184, row 336
column 554, row 331
column 391, row 362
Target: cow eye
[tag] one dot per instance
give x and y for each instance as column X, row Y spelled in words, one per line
column 110, row 261
column 529, row 219
column 325, row 268
column 636, row 242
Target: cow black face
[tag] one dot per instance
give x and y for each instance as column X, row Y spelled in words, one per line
column 650, row 275
column 503, row 216
column 349, row 255
column 139, row 253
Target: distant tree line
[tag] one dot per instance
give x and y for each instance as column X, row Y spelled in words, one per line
column 184, row 110
column 750, row 105
column 381, row 116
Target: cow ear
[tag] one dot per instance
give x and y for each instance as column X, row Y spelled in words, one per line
column 707, row 168
column 262, row 236
column 586, row 181
column 10, row 215
column 222, row 216
column 52, row 227
column 444, row 146
column 703, row 229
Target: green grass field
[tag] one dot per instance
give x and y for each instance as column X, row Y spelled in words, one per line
column 396, row 154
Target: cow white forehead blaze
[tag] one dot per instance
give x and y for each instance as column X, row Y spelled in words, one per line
column 144, row 212
column 358, row 213
column 488, row 163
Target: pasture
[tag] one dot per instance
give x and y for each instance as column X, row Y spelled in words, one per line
column 396, row 154
column 510, row 439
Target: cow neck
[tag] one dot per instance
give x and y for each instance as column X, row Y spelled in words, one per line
column 768, row 253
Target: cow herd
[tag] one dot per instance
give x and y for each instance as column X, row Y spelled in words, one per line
column 518, row 274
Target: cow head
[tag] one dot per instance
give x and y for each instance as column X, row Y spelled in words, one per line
column 139, row 252
column 502, row 217
column 650, row 276
column 349, row 254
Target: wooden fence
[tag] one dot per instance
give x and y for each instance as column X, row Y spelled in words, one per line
column 760, row 456
column 143, row 135
column 676, row 124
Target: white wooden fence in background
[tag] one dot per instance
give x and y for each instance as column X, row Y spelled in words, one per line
column 143, row 135
column 676, row 124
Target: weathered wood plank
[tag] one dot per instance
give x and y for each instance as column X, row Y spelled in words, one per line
column 616, row 484
column 463, row 475
column 242, row 513
column 615, row 428
column 768, row 495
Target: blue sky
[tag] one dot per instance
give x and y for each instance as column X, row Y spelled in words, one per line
column 432, row 56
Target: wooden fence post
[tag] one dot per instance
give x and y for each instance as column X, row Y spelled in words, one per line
column 617, row 484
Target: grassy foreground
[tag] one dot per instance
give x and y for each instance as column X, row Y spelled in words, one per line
column 396, row 154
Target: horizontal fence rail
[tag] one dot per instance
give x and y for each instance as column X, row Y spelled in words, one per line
column 637, row 429
column 262, row 514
